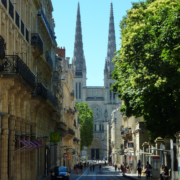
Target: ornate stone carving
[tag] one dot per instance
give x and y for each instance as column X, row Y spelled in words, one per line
column 97, row 111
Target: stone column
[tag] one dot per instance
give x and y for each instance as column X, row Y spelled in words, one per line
column 4, row 149
column 17, row 153
column 23, row 161
column 11, row 147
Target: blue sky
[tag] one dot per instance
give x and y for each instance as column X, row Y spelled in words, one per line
column 95, row 25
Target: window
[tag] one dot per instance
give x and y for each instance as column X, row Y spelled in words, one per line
column 110, row 91
column 22, row 27
column 17, row 19
column 76, row 91
column 114, row 95
column 79, row 90
column 95, row 127
column 27, row 35
column 100, row 127
column 11, row 9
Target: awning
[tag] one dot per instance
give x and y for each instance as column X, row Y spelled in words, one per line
column 27, row 146
column 32, row 144
column 39, row 143
column 27, row 142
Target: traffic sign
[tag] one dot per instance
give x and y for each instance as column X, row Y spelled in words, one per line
column 65, row 154
column 68, row 158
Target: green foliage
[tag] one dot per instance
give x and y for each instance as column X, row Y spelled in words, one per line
column 86, row 120
column 147, row 67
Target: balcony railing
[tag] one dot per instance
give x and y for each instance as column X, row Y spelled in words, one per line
column 4, row 2
column 22, row 27
column 27, row 35
column 62, row 126
column 42, row 15
column 14, row 65
column 70, row 131
column 49, row 59
column 37, row 41
column 127, row 130
column 42, row 90
column 11, row 9
column 17, row 19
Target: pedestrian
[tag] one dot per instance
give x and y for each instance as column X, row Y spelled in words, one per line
column 162, row 172
column 124, row 168
column 90, row 167
column 99, row 167
column 139, row 168
column 127, row 168
column 121, row 167
column 149, row 167
column 81, row 168
column 93, row 167
column 166, row 174
column 70, row 168
column 115, row 167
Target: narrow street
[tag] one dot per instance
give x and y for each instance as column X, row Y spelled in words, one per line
column 107, row 173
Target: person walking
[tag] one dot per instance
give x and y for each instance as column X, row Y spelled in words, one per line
column 90, row 167
column 81, row 168
column 121, row 167
column 124, row 168
column 166, row 174
column 99, row 167
column 139, row 168
column 93, row 167
column 149, row 167
column 115, row 167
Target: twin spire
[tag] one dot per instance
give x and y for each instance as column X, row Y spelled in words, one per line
column 79, row 64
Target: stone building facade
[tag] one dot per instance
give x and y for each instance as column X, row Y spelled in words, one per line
column 114, row 137
column 70, row 127
column 100, row 98
column 30, row 89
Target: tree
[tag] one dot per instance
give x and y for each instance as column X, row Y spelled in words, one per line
column 86, row 120
column 147, row 67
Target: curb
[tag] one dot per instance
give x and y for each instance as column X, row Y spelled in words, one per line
column 129, row 177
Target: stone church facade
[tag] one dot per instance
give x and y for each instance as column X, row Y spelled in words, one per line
column 100, row 98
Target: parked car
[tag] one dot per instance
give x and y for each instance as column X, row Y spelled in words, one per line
column 60, row 172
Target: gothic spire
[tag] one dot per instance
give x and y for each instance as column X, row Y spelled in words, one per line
column 78, row 59
column 111, row 39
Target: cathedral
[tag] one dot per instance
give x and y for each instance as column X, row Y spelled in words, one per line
column 100, row 98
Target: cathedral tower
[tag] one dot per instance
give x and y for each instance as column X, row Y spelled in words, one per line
column 78, row 61
column 109, row 66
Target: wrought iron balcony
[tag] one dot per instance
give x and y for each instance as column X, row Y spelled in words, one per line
column 69, row 110
column 4, row 2
column 75, row 139
column 49, row 59
column 127, row 130
column 14, row 65
column 42, row 91
column 17, row 19
column 42, row 15
column 122, row 133
column 11, row 9
column 71, row 132
column 62, row 126
column 37, row 42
